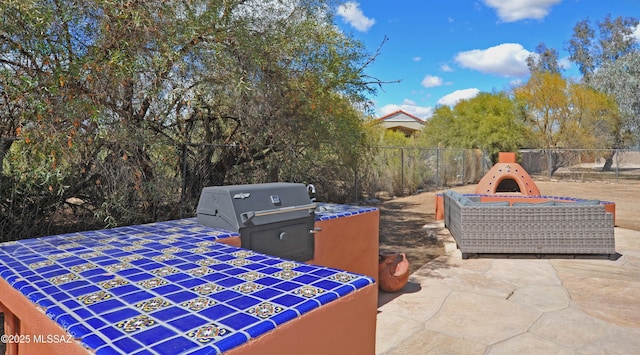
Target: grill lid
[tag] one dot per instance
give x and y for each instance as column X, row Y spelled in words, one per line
column 233, row 207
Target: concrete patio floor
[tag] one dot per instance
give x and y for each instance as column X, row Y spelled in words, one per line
column 511, row 305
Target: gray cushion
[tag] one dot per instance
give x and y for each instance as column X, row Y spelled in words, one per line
column 578, row 203
column 534, row 204
column 588, row 202
column 470, row 203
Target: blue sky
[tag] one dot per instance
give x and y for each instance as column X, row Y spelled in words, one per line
column 444, row 51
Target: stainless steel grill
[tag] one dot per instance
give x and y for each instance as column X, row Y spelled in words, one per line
column 272, row 218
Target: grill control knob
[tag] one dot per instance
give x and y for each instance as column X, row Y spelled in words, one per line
column 282, row 235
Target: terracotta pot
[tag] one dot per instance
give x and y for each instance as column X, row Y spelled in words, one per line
column 393, row 271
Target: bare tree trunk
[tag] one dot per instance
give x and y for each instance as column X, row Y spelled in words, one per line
column 608, row 163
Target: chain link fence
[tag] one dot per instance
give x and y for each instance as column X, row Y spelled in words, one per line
column 387, row 172
column 616, row 165
column 397, row 171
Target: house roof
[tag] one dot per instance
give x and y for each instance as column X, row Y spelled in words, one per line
column 401, row 121
column 400, row 116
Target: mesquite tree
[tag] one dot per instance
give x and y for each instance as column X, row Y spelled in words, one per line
column 123, row 108
column 560, row 114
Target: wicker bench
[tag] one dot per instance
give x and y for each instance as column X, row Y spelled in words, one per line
column 528, row 228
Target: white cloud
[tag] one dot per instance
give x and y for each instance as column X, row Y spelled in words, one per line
column 417, row 59
column 430, row 81
column 408, row 106
column 507, row 59
column 636, row 33
column 514, row 10
column 516, row 83
column 446, row 68
column 565, row 63
column 457, row 96
column 352, row 14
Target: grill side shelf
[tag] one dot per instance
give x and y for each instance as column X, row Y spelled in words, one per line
column 248, row 216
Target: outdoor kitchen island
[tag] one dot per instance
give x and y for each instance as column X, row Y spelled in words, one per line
column 178, row 287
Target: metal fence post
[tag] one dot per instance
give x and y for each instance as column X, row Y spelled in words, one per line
column 617, row 152
column 484, row 159
column 464, row 165
column 438, row 167
column 1, row 164
column 184, row 179
column 549, row 163
column 355, row 183
column 402, row 170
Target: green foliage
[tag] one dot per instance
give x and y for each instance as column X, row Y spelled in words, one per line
column 397, row 139
column 485, row 122
column 117, row 103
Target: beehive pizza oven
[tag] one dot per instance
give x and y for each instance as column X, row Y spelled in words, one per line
column 272, row 218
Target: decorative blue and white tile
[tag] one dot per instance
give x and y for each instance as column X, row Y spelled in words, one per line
column 327, row 211
column 164, row 271
column 308, row 291
column 343, row 277
column 133, row 248
column 171, row 250
column 58, row 280
column 208, row 333
column 117, row 267
column 205, row 243
column 251, row 276
column 248, row 287
column 200, row 271
column 41, row 264
column 82, row 267
column 200, row 250
column 265, row 310
column 155, row 288
column 90, row 255
column 207, row 289
column 163, row 257
column 136, row 323
column 198, row 304
column 207, row 262
column 286, row 274
column 94, row 297
column 153, row 283
column 153, row 304
column 287, row 265
column 240, row 262
column 113, row 283
column 130, row 258
column 59, row 256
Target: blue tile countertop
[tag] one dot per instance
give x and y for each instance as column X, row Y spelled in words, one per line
column 326, row 211
column 166, row 287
